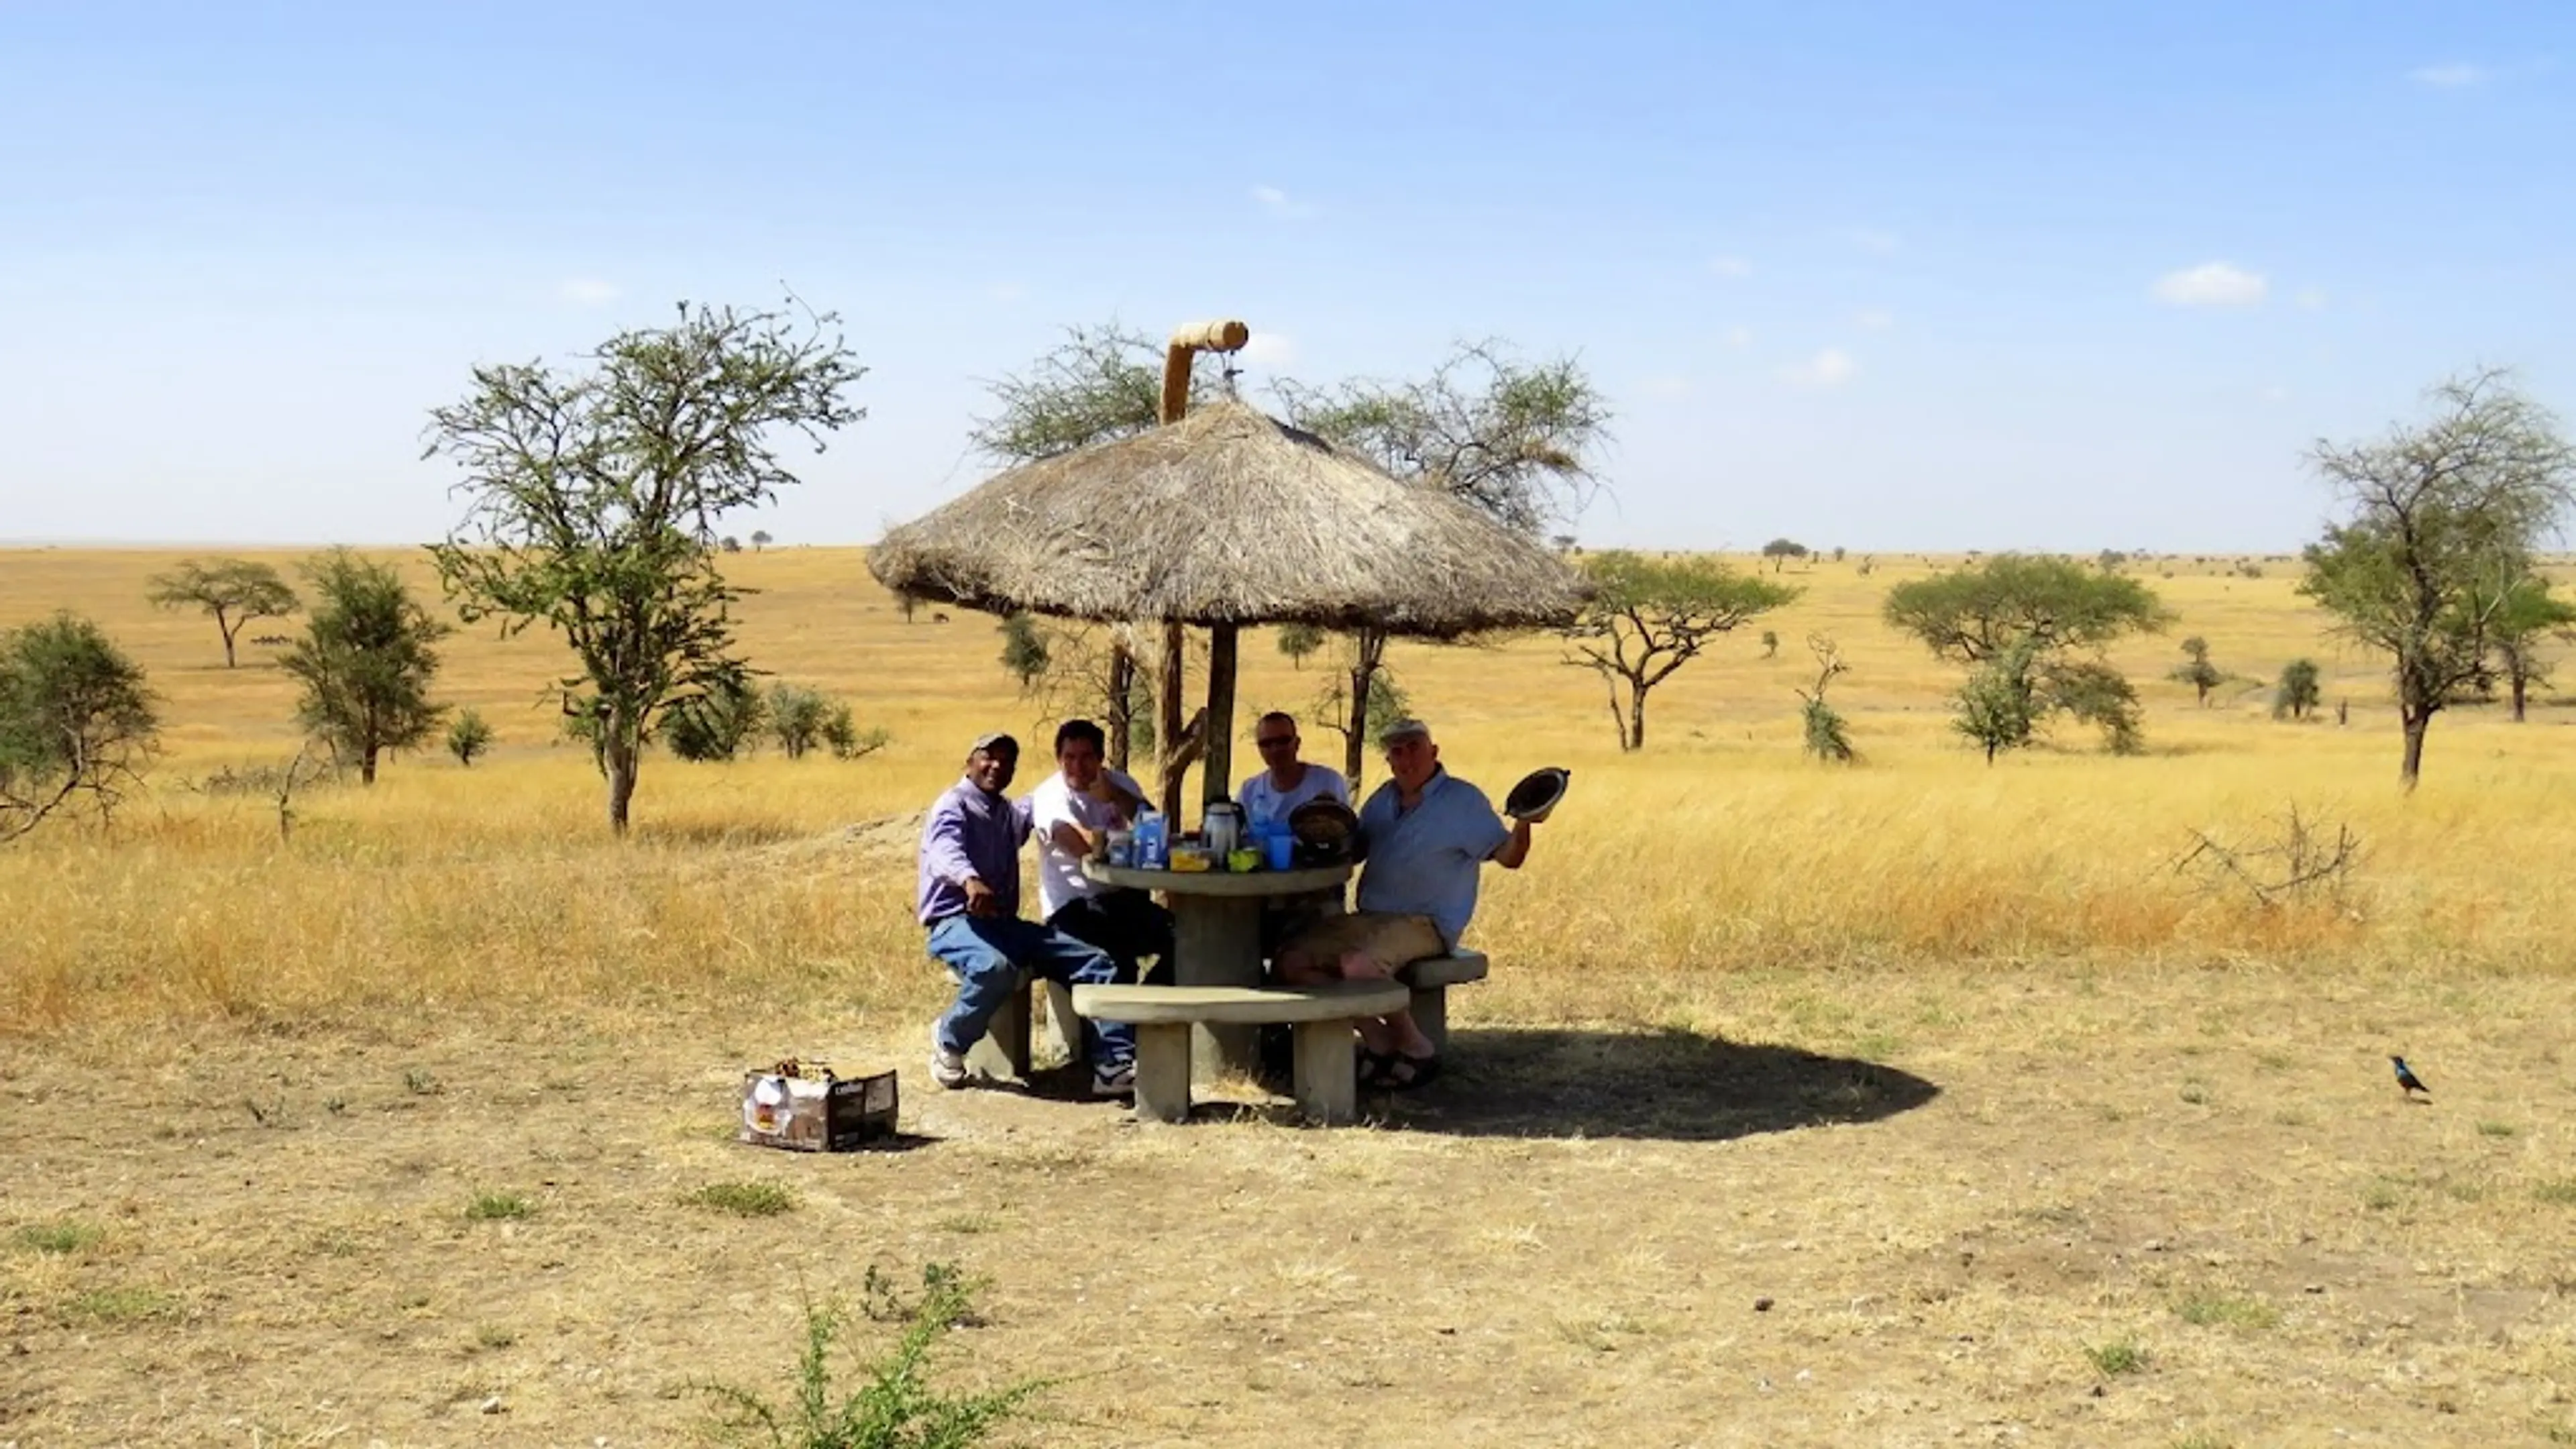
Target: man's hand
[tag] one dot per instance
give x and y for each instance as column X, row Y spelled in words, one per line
column 980, row 900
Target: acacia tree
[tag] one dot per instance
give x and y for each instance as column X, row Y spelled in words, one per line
column 596, row 494
column 1781, row 550
column 231, row 591
column 365, row 661
column 2528, row 615
column 1650, row 616
column 1512, row 439
column 2443, row 521
column 76, row 722
column 2197, row 671
column 2021, row 623
column 2298, row 691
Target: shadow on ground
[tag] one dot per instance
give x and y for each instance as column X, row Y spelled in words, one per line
column 1671, row 1085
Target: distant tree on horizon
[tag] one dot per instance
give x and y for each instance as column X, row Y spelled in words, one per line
column 231, row 591
column 2023, row 624
column 1781, row 550
column 1650, row 616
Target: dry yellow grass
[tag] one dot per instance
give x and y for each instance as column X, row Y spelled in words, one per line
column 1942, row 1061
column 1717, row 847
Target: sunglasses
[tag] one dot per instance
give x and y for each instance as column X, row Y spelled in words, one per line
column 1276, row 740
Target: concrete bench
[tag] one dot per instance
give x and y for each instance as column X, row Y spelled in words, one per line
column 1431, row 979
column 1326, row 1076
column 1003, row 1054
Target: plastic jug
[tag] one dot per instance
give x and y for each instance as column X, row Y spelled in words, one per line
column 1224, row 827
column 1153, row 846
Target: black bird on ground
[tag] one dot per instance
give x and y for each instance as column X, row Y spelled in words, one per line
column 2407, row 1082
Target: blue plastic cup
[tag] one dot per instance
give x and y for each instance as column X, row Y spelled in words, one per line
column 1279, row 849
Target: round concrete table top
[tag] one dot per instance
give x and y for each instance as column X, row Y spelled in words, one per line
column 1220, row 882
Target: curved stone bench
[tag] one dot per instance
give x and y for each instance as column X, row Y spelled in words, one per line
column 1431, row 978
column 1326, row 1078
column 1003, row 1054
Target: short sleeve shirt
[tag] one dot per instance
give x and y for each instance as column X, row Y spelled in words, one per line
column 1262, row 800
column 1427, row 861
column 1060, row 878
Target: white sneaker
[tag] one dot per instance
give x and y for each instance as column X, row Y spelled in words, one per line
column 1114, row 1078
column 947, row 1068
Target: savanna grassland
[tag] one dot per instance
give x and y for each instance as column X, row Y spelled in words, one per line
column 398, row 1127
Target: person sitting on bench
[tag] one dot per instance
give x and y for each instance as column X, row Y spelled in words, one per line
column 1072, row 813
column 1424, row 837
column 969, row 900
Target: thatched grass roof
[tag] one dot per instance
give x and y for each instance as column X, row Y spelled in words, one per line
column 1227, row 517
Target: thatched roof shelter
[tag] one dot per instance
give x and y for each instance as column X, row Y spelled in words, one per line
column 1227, row 517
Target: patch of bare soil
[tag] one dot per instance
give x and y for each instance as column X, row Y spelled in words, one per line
column 1575, row 1237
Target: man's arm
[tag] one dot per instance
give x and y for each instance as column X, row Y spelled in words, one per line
column 944, row 849
column 1055, row 821
column 1515, row 848
column 943, row 846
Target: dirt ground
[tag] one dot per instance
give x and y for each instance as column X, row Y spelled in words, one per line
column 2057, row 1208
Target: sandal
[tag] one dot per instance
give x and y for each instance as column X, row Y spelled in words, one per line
column 1374, row 1067
column 1416, row 1072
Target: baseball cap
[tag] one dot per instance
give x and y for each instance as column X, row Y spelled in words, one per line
column 1404, row 729
column 998, row 742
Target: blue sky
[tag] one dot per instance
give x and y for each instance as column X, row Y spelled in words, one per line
column 1891, row 276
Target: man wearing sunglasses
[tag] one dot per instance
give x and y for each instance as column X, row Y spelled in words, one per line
column 1285, row 781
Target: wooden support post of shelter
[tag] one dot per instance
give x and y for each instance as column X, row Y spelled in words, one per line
column 1179, row 356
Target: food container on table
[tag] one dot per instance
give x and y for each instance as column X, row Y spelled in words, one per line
column 1189, row 858
column 1243, row 858
column 1121, row 849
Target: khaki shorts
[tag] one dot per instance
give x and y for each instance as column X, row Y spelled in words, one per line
column 1393, row 942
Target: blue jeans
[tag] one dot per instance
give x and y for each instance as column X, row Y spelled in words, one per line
column 988, row 953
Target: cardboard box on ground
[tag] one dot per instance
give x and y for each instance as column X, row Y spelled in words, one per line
column 805, row 1107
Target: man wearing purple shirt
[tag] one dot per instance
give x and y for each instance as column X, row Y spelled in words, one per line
column 970, row 901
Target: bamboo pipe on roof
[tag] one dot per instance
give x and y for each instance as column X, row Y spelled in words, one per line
column 1185, row 346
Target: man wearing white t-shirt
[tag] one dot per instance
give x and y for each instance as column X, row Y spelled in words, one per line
column 1285, row 781
column 1070, row 814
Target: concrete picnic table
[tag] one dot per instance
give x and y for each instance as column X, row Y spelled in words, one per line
column 1216, row 921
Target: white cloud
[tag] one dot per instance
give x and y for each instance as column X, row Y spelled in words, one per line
column 1830, row 368
column 2212, row 284
column 1871, row 240
column 1739, row 338
column 1271, row 349
column 2450, row 76
column 588, row 292
column 1730, row 266
column 1876, row 319
column 1277, row 203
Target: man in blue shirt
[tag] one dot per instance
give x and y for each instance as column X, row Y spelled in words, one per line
column 969, row 898
column 1424, row 836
